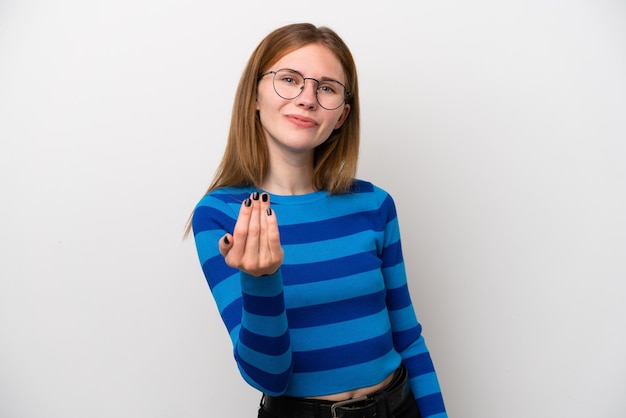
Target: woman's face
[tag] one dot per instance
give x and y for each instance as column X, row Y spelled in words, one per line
column 297, row 126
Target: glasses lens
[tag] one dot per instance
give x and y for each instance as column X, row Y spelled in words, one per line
column 330, row 94
column 289, row 84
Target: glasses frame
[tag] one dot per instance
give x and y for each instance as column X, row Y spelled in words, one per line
column 346, row 92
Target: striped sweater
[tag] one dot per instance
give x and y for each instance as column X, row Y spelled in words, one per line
column 337, row 315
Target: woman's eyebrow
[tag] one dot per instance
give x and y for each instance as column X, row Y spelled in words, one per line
column 323, row 78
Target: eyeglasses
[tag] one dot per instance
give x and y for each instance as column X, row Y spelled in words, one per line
column 289, row 84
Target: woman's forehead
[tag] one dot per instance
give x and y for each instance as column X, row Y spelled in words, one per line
column 313, row 60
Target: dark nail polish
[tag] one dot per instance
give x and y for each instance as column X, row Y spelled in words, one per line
column 269, row 211
column 255, row 196
column 247, row 202
column 265, row 197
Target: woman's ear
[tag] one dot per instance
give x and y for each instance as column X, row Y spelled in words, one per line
column 343, row 117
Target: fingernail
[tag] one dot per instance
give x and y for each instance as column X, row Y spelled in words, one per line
column 255, row 196
column 265, row 197
column 226, row 241
column 269, row 211
column 247, row 202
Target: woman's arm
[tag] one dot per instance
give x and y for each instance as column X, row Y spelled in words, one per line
column 251, row 307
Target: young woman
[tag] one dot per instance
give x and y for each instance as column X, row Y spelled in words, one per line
column 304, row 261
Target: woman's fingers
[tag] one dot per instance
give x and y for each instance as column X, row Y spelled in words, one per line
column 263, row 248
column 254, row 246
column 265, row 252
column 271, row 250
column 254, row 229
column 273, row 236
column 240, row 233
column 225, row 244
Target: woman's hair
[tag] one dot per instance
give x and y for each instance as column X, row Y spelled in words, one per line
column 246, row 159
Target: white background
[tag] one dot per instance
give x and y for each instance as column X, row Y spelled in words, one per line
column 499, row 128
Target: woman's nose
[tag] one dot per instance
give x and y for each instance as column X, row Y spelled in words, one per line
column 308, row 96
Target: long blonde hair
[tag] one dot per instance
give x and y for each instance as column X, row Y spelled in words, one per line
column 245, row 161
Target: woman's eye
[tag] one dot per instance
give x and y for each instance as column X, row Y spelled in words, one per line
column 326, row 89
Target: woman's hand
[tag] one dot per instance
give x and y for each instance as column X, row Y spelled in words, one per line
column 254, row 246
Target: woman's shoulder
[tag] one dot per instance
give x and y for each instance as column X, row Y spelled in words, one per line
column 369, row 195
column 218, row 206
column 360, row 186
column 225, row 197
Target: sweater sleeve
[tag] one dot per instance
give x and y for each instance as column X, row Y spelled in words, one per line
column 406, row 330
column 252, row 308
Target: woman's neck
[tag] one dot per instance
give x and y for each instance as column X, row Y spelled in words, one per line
column 289, row 177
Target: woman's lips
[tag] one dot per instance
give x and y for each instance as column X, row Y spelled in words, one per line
column 302, row 121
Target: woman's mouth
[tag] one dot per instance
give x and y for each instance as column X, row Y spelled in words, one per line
column 302, row 121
